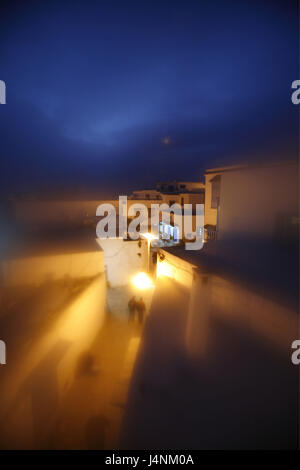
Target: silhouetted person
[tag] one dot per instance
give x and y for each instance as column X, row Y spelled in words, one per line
column 132, row 305
column 141, row 307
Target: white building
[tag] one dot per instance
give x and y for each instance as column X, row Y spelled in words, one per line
column 251, row 200
column 242, row 307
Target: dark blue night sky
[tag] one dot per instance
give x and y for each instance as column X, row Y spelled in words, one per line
column 122, row 94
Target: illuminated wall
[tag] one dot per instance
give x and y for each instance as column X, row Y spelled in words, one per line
column 56, row 323
column 237, row 304
column 123, row 259
column 174, row 268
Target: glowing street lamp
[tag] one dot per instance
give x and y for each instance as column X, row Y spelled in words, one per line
column 149, row 236
column 142, row 281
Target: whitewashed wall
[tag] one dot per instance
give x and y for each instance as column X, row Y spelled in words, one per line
column 121, row 259
column 252, row 199
column 175, row 268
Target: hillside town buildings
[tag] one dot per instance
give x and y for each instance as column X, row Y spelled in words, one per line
column 229, row 311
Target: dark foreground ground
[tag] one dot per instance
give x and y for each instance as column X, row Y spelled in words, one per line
column 139, row 388
column 239, row 396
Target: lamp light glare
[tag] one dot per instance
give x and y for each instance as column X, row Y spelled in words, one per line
column 142, row 281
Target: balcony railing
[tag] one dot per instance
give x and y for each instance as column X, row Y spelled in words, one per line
column 210, row 234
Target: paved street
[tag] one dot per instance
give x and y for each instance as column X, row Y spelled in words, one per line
column 92, row 411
